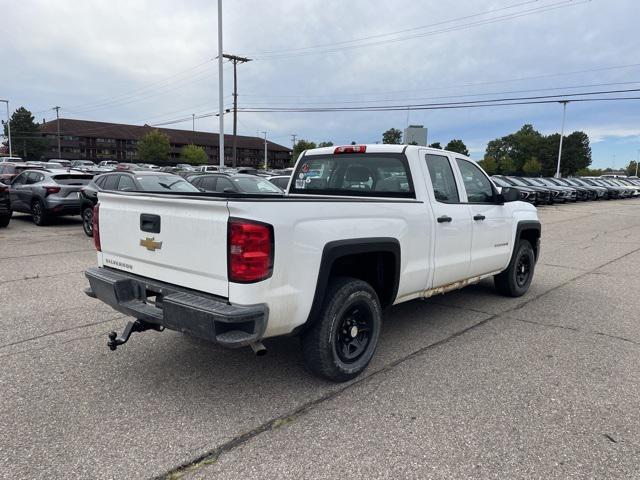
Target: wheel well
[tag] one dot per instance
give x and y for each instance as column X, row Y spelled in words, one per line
column 378, row 269
column 532, row 235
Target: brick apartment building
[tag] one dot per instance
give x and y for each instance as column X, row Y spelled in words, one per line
column 97, row 141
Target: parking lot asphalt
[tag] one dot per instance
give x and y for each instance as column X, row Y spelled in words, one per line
column 466, row 385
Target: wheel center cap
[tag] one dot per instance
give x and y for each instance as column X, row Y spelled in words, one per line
column 353, row 332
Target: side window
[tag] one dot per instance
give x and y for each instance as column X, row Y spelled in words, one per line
column 110, row 182
column 476, row 183
column 34, row 177
column 197, row 182
column 20, row 179
column 100, row 182
column 126, row 184
column 442, row 179
column 224, row 184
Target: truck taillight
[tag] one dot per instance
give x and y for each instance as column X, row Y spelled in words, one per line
column 250, row 251
column 95, row 222
column 350, row 149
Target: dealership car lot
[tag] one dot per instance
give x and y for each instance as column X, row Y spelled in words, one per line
column 464, row 385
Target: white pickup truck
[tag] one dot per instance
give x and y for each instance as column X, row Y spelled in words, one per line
column 360, row 228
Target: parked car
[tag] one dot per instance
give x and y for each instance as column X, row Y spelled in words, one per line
column 47, row 193
column 10, row 159
column 5, row 205
column 127, row 181
column 237, row 183
column 526, row 194
column 185, row 166
column 380, row 225
column 583, row 193
column 112, row 164
column 207, row 168
column 280, row 181
column 570, row 194
column 613, row 192
column 8, row 171
column 83, row 164
column 624, row 192
column 596, row 193
column 60, row 161
column 544, row 194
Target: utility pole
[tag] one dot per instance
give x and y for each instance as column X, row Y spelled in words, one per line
column 235, row 60
column 265, row 150
column 8, row 127
column 637, row 160
column 293, row 139
column 220, row 85
column 58, row 122
column 564, row 115
column 193, row 126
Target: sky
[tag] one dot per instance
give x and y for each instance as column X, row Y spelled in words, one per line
column 153, row 62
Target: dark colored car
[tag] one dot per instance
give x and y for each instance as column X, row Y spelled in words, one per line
column 570, row 193
column 5, row 205
column 612, row 192
column 127, row 181
column 584, row 193
column 46, row 193
column 526, row 194
column 599, row 193
column 544, row 193
column 237, row 183
column 9, row 171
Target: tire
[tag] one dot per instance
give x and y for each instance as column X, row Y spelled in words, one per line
column 516, row 279
column 38, row 213
column 4, row 219
column 343, row 337
column 87, row 221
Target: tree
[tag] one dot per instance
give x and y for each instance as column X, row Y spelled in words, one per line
column 26, row 138
column 458, row 146
column 154, row 147
column 631, row 168
column 392, row 136
column 489, row 165
column 436, row 145
column 532, row 167
column 194, row 155
column 325, row 144
column 506, row 166
column 300, row 146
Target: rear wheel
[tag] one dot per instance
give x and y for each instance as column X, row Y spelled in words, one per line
column 516, row 279
column 4, row 219
column 38, row 213
column 87, row 221
column 343, row 338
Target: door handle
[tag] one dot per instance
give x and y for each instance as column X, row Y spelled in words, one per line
column 479, row 217
column 444, row 219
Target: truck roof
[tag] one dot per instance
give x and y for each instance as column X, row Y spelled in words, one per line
column 379, row 148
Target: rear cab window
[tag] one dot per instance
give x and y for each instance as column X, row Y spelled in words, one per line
column 354, row 174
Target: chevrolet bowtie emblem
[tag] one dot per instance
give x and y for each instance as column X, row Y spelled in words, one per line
column 150, row 244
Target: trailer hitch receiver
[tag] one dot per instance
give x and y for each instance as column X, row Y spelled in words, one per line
column 131, row 327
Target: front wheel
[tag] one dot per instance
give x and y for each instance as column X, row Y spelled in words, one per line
column 344, row 335
column 516, row 279
column 87, row 221
column 4, row 219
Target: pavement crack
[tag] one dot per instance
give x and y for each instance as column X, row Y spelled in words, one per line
column 36, row 277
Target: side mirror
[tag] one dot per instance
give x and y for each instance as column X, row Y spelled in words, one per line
column 508, row 194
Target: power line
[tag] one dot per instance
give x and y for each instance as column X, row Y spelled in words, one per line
column 541, row 9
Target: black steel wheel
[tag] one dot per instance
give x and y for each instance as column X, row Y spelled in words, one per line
column 87, row 221
column 343, row 336
column 516, row 279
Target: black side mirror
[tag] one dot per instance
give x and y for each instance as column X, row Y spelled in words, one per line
column 508, row 194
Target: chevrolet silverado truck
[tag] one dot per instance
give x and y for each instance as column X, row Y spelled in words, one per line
column 359, row 228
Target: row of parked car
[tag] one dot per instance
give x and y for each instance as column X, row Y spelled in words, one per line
column 49, row 189
column 547, row 191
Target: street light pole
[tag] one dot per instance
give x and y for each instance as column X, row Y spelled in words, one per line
column 220, row 85
column 265, row 150
column 8, row 127
column 564, row 115
column 637, row 161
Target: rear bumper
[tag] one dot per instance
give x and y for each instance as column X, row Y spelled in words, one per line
column 62, row 206
column 198, row 314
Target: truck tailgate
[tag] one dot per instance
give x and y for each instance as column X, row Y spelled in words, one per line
column 177, row 240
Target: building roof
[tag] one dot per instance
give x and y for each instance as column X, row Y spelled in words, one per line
column 121, row 131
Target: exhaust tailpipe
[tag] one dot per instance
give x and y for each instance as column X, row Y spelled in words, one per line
column 258, row 348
